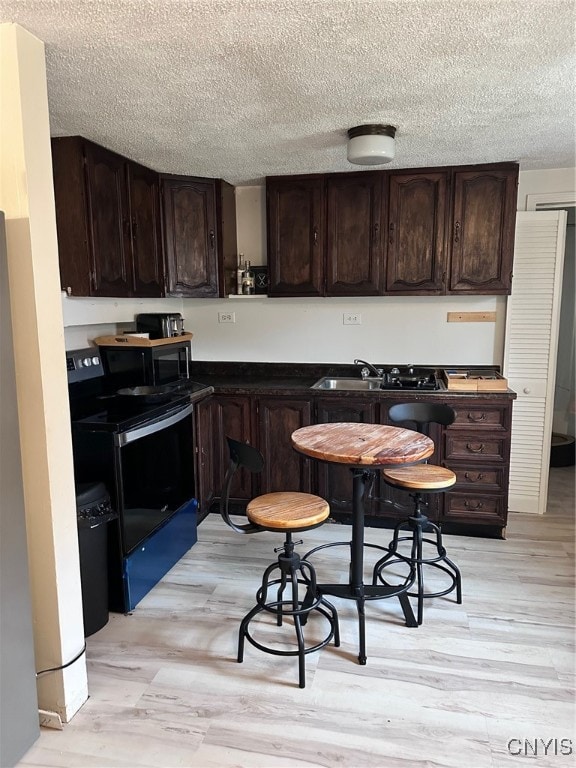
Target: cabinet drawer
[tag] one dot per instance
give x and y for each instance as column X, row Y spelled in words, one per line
column 474, row 447
column 474, row 508
column 482, row 417
column 485, row 479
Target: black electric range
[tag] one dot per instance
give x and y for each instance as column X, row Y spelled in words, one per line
column 112, row 413
column 144, row 454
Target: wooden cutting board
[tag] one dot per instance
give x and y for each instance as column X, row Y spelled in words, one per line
column 126, row 340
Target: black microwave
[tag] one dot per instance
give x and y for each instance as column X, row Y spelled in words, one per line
column 154, row 366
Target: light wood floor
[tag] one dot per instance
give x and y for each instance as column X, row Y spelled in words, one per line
column 166, row 690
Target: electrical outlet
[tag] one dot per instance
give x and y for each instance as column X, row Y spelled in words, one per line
column 352, row 318
column 226, row 317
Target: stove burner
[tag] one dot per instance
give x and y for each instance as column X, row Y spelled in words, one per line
column 409, row 379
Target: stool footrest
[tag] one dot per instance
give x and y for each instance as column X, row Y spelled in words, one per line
column 296, row 652
column 298, row 608
column 416, row 560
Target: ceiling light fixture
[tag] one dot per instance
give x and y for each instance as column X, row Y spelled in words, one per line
column 371, row 144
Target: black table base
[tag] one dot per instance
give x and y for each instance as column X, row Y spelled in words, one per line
column 356, row 589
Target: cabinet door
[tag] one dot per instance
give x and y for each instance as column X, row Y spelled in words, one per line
column 483, row 231
column 231, row 415
column 284, row 468
column 189, row 209
column 145, row 230
column 417, row 258
column 108, row 224
column 205, row 455
column 354, row 238
column 74, row 250
column 295, row 219
column 334, row 481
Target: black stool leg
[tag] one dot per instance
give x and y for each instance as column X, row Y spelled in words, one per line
column 407, row 610
column 458, row 577
column 417, row 558
column 299, row 633
column 242, row 631
column 257, row 608
column 361, row 630
column 445, row 559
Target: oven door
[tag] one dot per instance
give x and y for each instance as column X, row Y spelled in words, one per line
column 149, row 473
column 155, row 474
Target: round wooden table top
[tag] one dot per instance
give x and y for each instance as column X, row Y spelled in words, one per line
column 362, row 444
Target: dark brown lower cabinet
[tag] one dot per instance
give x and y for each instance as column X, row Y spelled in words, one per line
column 267, row 423
column 232, row 418
column 284, row 468
column 476, row 447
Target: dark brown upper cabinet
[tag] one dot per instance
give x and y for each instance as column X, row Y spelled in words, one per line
column 353, row 234
column 417, row 258
column 295, row 234
column 324, row 235
column 428, row 231
column 483, row 229
column 199, row 236
column 108, row 222
column 145, row 230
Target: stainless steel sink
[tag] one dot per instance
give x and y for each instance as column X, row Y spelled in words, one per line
column 363, row 385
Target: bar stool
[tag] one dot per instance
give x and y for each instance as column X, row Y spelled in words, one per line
column 417, row 480
column 288, row 513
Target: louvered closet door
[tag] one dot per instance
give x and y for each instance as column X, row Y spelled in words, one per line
column 532, row 319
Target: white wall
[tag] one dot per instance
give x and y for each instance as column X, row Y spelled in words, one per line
column 554, row 180
column 27, row 197
column 394, row 329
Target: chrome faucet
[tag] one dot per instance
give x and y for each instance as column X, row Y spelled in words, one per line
column 369, row 368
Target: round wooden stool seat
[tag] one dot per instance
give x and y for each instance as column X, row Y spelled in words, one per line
column 420, row 477
column 287, row 511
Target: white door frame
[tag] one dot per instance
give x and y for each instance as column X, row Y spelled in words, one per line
column 545, row 202
column 549, row 200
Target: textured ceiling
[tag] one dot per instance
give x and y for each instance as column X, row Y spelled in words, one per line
column 241, row 89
